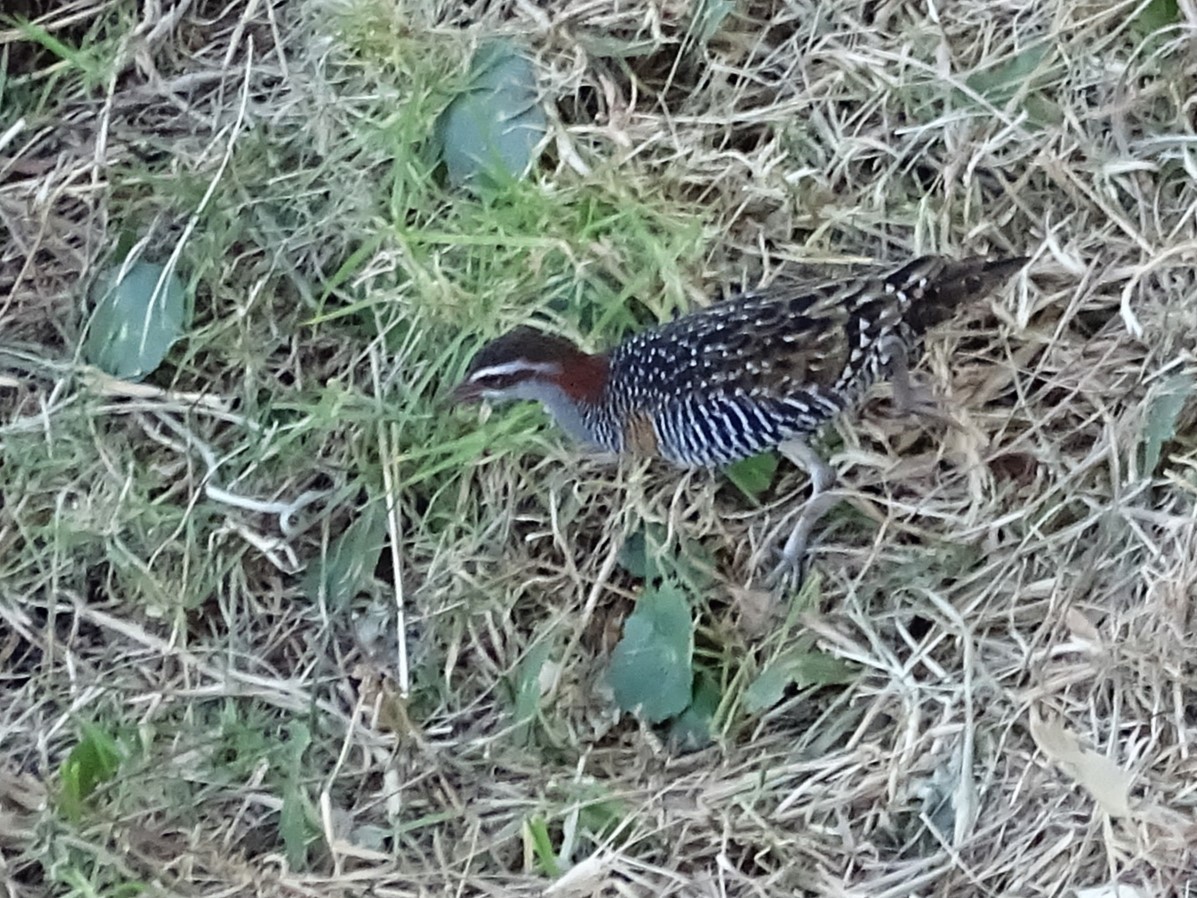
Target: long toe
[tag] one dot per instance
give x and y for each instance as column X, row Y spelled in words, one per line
column 790, row 569
column 793, row 553
column 913, row 398
column 919, row 401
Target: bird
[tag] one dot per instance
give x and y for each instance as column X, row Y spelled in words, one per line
column 758, row 370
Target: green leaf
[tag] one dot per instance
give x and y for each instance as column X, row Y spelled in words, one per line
column 691, row 730
column 92, row 762
column 489, row 132
column 86, row 60
column 1156, row 15
column 542, row 845
column 801, row 667
column 350, row 560
column 1162, row 414
column 598, row 44
column 999, row 83
column 642, row 555
column 752, row 476
column 650, row 667
column 1043, row 111
column 694, row 567
column 709, row 16
column 528, row 690
column 601, row 816
column 634, row 554
column 135, row 319
column 810, row 594
column 293, row 827
column 293, row 818
column 345, row 272
column 299, row 739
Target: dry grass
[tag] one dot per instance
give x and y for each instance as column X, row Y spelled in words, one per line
column 1017, row 565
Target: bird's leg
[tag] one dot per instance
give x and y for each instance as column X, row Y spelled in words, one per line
column 822, row 476
column 910, row 399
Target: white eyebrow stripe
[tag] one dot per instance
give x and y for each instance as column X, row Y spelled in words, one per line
column 515, row 367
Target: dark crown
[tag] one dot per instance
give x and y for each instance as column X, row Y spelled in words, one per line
column 524, row 344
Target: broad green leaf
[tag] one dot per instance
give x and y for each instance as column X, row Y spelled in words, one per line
column 803, row 668
column 1160, row 425
column 767, row 689
column 92, row 762
column 642, row 555
column 135, row 320
column 692, row 728
column 634, row 554
column 1156, row 15
column 650, row 667
column 489, row 132
column 752, row 476
column 999, row 83
column 350, row 560
column 694, row 566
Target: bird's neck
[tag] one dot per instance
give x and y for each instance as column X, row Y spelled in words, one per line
column 569, row 415
column 578, row 388
column 583, row 378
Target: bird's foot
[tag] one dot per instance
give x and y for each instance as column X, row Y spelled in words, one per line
column 789, row 572
column 920, row 402
column 911, row 398
column 789, row 569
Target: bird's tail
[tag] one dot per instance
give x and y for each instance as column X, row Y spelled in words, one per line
column 937, row 286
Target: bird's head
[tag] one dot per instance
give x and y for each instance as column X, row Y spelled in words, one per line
column 527, row 363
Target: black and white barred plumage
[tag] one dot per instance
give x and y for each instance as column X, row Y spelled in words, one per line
column 744, row 375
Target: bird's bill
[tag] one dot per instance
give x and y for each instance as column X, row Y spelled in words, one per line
column 465, row 393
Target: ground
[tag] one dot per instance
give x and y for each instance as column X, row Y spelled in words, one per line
column 275, row 620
